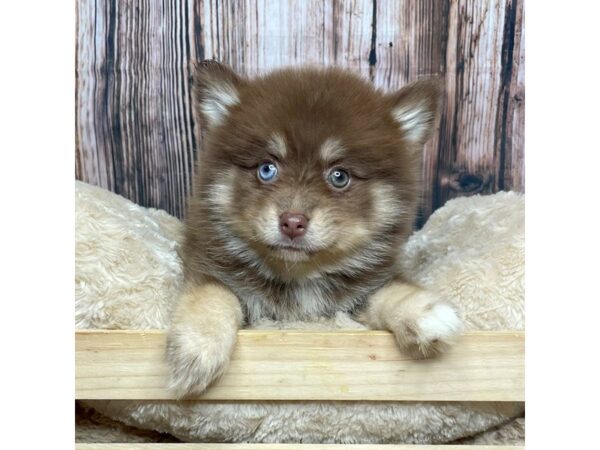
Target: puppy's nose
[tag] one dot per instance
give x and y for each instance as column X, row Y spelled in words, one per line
column 293, row 224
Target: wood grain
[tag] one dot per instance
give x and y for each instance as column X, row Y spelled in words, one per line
column 134, row 132
column 134, row 127
column 484, row 99
column 137, row 446
column 297, row 365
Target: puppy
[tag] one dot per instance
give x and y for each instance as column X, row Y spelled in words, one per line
column 307, row 188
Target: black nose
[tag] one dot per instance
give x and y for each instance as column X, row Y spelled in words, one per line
column 293, row 224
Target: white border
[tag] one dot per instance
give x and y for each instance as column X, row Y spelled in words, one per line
column 562, row 269
column 37, row 161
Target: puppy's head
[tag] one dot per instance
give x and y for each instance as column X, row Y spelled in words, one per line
column 311, row 169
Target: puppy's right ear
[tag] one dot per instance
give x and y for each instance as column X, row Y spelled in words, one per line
column 416, row 108
column 215, row 89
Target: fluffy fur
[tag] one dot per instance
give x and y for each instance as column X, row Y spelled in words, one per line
column 240, row 267
column 128, row 273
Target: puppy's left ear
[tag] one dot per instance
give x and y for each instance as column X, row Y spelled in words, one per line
column 416, row 108
column 215, row 90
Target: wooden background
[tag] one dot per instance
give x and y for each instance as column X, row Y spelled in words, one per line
column 134, row 121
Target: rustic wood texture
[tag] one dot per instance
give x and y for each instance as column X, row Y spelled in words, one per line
column 134, row 125
column 134, row 120
column 137, row 446
column 480, row 143
column 297, row 365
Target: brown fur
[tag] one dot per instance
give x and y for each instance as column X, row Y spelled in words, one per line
column 352, row 244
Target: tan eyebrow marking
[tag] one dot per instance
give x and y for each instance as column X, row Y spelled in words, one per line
column 277, row 145
column 331, row 149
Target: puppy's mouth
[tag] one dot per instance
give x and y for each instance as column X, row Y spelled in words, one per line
column 294, row 248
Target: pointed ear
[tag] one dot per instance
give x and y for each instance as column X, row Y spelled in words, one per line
column 215, row 89
column 416, row 107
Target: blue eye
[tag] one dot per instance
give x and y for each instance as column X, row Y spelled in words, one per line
column 339, row 178
column 267, row 171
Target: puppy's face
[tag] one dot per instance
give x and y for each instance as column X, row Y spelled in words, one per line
column 310, row 168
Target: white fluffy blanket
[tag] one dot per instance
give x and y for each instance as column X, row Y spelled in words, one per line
column 128, row 274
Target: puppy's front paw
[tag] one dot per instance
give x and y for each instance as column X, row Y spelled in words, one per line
column 429, row 328
column 196, row 360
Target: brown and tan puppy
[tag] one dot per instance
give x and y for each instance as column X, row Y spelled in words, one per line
column 307, row 188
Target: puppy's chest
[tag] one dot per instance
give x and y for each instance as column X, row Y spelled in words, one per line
column 299, row 301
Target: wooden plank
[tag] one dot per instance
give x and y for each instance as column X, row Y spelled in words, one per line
column 300, row 365
column 512, row 131
column 138, row 446
column 349, row 35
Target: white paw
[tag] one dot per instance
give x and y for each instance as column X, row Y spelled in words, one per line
column 430, row 328
column 196, row 360
column 440, row 322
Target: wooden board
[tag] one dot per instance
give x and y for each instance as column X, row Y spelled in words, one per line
column 134, row 446
column 134, row 131
column 300, row 365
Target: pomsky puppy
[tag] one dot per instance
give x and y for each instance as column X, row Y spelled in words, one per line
column 307, row 188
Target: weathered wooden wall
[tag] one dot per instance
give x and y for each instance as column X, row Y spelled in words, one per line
column 134, row 121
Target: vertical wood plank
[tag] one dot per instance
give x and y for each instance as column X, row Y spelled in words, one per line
column 513, row 134
column 93, row 153
column 410, row 41
column 349, row 29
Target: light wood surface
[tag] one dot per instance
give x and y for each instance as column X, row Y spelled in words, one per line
column 300, row 365
column 134, row 130
column 134, row 446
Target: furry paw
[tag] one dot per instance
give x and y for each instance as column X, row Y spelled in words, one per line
column 429, row 328
column 196, row 360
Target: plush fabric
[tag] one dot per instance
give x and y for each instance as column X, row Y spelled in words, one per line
column 128, row 274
